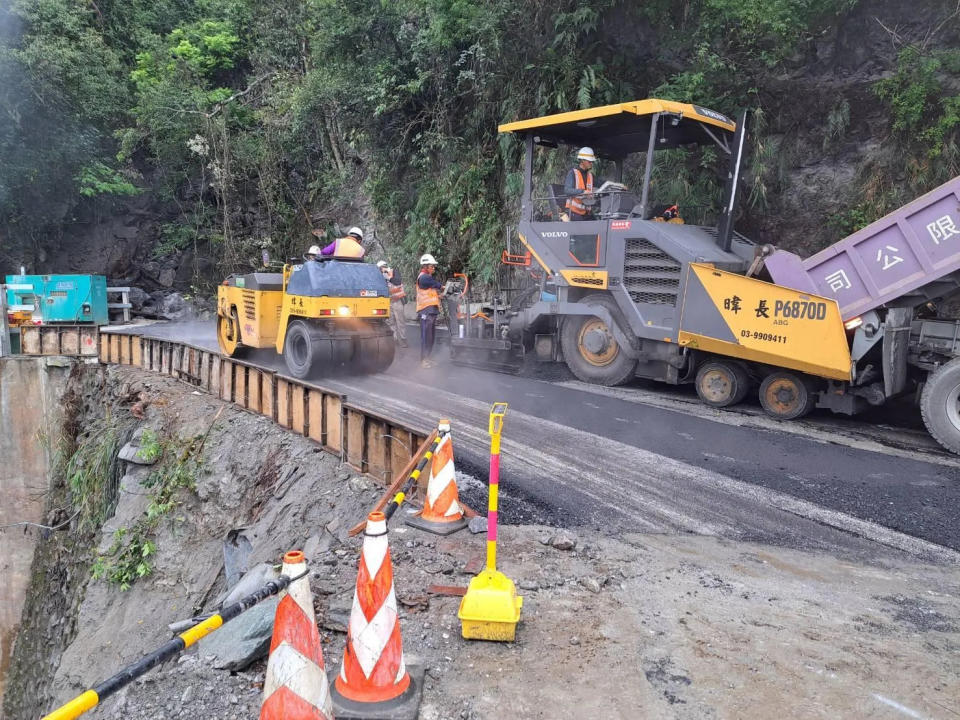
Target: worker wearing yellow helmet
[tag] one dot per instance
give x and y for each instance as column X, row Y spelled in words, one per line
column 578, row 186
column 349, row 247
column 429, row 292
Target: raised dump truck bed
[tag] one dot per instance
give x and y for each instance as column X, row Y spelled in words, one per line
column 890, row 262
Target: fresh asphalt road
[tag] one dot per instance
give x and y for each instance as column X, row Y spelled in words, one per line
column 652, row 458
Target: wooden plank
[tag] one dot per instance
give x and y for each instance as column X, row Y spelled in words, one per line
column 297, row 408
column 356, row 448
column 332, row 422
column 30, row 340
column 215, row 375
column 136, row 351
column 240, row 385
column 376, row 444
column 124, row 349
column 104, row 344
column 88, row 341
column 283, row 403
column 399, row 448
column 226, row 380
column 254, row 383
column 315, row 415
column 268, row 394
column 166, row 353
column 195, row 362
column 399, row 478
column 204, row 361
column 114, row 349
column 50, row 341
column 70, row 341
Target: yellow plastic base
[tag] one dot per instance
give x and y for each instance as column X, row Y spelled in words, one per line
column 491, row 608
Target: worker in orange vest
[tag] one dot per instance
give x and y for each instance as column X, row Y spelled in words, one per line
column 429, row 292
column 349, row 247
column 578, row 186
column 397, row 300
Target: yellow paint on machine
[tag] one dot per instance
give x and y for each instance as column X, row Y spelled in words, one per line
column 594, row 279
column 758, row 321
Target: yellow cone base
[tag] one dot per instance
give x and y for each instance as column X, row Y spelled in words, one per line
column 402, row 707
column 491, row 608
column 437, row 528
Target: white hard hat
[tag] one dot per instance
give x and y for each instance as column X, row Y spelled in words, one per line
column 428, row 259
column 586, row 153
column 314, row 250
column 356, row 231
column 382, row 264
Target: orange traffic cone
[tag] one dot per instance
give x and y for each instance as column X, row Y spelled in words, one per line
column 373, row 682
column 295, row 687
column 442, row 513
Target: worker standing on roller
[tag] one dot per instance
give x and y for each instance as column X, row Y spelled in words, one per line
column 349, row 247
column 397, row 300
column 428, row 306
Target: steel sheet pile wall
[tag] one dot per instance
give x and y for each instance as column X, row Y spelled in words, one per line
column 368, row 442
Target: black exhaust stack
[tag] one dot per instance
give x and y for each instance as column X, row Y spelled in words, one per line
column 725, row 228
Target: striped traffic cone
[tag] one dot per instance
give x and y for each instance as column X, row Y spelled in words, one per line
column 373, row 681
column 295, row 687
column 442, row 513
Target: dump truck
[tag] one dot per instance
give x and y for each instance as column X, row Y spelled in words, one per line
column 637, row 292
column 321, row 316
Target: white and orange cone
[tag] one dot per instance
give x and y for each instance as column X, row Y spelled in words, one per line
column 295, row 687
column 442, row 513
column 373, row 680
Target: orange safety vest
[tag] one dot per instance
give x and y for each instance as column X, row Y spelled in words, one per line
column 397, row 293
column 347, row 247
column 426, row 298
column 575, row 204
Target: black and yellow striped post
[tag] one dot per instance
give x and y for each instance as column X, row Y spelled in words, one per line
column 91, row 698
column 401, row 495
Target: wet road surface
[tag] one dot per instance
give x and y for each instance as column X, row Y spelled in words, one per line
column 650, row 458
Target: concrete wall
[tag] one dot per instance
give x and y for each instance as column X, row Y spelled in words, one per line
column 30, row 391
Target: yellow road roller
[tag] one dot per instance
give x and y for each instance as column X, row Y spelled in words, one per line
column 321, row 316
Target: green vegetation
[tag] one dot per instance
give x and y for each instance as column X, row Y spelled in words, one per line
column 254, row 122
column 92, row 472
column 129, row 557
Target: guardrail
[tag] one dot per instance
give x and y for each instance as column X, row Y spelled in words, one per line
column 368, row 442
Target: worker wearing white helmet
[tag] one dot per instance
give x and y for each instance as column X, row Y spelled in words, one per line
column 398, row 298
column 312, row 253
column 578, row 185
column 349, row 247
column 429, row 292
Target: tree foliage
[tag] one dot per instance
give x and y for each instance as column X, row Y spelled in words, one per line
column 257, row 122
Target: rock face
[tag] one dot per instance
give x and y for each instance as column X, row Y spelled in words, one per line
column 243, row 640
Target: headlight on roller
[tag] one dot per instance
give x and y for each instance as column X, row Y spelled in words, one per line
column 343, row 310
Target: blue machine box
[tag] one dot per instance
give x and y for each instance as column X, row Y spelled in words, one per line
column 71, row 299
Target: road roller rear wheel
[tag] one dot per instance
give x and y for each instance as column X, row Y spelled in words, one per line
column 302, row 349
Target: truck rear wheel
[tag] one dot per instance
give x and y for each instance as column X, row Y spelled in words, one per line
column 301, row 349
column 721, row 384
column 940, row 405
column 590, row 349
column 786, row 396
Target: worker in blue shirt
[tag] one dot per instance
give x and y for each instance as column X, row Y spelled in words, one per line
column 429, row 292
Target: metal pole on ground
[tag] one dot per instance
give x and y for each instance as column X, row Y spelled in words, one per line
column 93, row 697
column 5, row 347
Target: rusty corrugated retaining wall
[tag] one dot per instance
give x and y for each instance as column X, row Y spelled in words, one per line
column 368, row 442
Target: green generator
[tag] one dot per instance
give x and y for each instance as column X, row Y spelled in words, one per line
column 61, row 299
